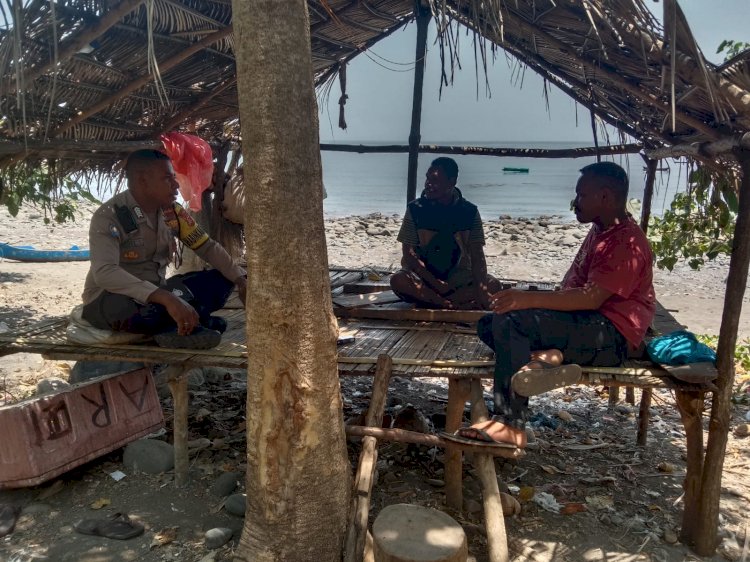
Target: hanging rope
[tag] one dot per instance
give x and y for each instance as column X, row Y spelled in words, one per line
column 344, row 97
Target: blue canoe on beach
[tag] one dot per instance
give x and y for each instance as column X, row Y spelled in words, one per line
column 30, row 253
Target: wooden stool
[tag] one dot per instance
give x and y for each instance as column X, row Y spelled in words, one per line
column 410, row 533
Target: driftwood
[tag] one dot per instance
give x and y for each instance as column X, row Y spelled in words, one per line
column 356, row 536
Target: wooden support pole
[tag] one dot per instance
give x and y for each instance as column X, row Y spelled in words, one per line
column 354, row 547
column 497, row 541
column 177, row 378
column 581, row 152
column 690, row 406
column 648, row 192
column 423, row 21
column 614, row 395
column 643, row 416
column 643, row 411
column 458, row 394
column 710, row 491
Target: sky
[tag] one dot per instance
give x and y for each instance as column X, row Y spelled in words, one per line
column 380, row 92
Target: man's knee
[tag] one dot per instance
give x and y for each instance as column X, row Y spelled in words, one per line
column 402, row 283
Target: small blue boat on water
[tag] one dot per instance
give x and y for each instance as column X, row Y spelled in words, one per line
column 30, row 253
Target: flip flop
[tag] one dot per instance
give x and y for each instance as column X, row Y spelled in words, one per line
column 484, row 439
column 538, row 381
column 8, row 517
column 120, row 527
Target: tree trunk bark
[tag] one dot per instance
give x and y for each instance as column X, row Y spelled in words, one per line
column 298, row 474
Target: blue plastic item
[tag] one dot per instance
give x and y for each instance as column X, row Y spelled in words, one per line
column 29, row 253
column 679, row 348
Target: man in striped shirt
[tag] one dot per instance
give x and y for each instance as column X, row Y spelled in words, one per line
column 443, row 263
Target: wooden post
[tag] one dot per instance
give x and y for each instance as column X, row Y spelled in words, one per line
column 458, row 394
column 710, row 490
column 690, row 406
column 643, row 416
column 643, row 411
column 423, row 21
column 177, row 379
column 354, row 547
column 497, row 541
column 648, row 192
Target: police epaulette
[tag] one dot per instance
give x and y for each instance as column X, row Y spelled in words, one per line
column 125, row 218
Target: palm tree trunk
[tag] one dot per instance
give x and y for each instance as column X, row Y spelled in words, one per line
column 298, row 475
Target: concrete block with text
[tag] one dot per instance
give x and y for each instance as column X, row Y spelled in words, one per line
column 47, row 435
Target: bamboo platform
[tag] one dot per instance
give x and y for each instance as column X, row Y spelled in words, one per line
column 421, row 343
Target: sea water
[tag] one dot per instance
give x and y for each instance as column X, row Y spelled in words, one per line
column 359, row 184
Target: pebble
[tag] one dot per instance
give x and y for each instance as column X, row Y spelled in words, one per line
column 36, row 509
column 530, row 435
column 225, row 484
column 623, row 409
column 148, row 455
column 195, row 378
column 235, row 505
column 742, row 430
column 472, row 506
column 51, row 385
column 670, row 536
column 565, row 416
column 218, row 537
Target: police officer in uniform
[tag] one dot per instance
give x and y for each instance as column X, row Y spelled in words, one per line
column 132, row 239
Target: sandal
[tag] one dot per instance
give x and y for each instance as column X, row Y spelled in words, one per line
column 538, row 381
column 120, row 527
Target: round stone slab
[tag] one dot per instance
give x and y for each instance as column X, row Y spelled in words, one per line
column 411, row 533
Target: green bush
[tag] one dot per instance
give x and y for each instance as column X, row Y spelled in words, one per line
column 741, row 390
column 699, row 224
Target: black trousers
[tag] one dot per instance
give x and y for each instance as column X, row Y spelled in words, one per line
column 206, row 291
column 583, row 337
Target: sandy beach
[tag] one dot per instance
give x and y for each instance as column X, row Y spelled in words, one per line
column 538, row 249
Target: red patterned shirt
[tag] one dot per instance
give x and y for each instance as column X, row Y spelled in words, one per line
column 618, row 259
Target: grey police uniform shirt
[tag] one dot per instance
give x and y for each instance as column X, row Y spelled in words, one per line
column 135, row 263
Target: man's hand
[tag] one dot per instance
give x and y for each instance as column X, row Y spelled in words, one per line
column 511, row 299
column 184, row 315
column 441, row 287
column 241, row 284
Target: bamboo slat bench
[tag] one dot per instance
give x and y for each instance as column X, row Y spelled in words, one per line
column 421, row 343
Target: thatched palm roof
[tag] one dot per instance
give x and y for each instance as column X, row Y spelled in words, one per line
column 113, row 72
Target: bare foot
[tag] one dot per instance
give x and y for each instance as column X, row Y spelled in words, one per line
column 494, row 431
column 553, row 357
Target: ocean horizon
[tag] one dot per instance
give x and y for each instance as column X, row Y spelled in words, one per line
column 361, row 184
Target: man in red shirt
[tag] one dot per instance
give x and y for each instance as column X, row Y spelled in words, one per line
column 605, row 305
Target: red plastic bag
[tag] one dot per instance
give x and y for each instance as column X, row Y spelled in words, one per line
column 193, row 165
